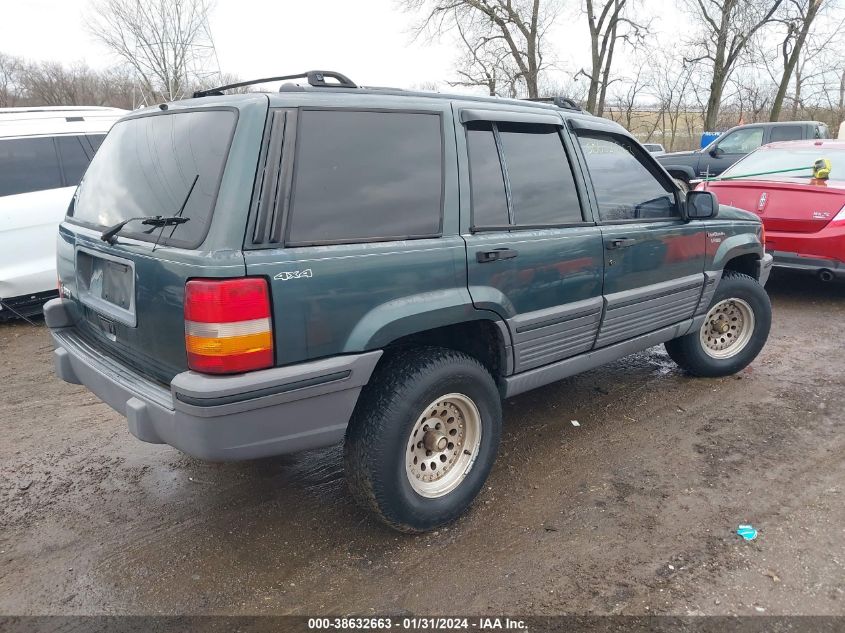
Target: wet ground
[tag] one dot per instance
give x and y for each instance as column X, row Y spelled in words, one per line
column 632, row 512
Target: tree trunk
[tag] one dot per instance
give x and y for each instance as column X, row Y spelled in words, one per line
column 605, row 76
column 797, row 100
column 777, row 104
column 717, row 85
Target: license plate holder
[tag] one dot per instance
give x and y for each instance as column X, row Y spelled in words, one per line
column 106, row 284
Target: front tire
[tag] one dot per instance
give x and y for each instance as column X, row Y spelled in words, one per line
column 734, row 331
column 683, row 185
column 423, row 438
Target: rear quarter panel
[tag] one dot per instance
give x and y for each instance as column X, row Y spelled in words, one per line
column 345, row 298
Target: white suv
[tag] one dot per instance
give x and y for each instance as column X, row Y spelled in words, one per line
column 43, row 154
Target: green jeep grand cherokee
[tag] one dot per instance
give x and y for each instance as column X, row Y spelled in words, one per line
column 255, row 274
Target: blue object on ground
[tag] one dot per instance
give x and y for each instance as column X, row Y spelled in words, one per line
column 708, row 137
column 747, row 532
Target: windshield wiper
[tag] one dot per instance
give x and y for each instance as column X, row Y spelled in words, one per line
column 155, row 221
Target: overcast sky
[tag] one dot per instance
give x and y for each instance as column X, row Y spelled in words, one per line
column 368, row 40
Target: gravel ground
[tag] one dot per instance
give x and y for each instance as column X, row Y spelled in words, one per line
column 632, row 512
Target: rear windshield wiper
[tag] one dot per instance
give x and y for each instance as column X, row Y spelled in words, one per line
column 155, row 221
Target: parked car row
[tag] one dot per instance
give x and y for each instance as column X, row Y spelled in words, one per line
column 688, row 168
column 43, row 154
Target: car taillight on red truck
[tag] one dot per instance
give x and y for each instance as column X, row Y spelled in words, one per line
column 228, row 325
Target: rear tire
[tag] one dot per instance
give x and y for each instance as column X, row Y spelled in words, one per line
column 734, row 331
column 421, row 399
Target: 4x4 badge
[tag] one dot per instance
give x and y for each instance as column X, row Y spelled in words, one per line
column 293, row 274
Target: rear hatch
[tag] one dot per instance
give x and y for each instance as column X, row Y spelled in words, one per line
column 791, row 205
column 197, row 156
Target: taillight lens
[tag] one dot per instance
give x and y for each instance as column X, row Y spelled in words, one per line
column 763, row 234
column 839, row 218
column 228, row 326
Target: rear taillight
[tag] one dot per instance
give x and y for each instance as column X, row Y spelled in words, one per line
column 839, row 218
column 228, row 326
column 763, row 234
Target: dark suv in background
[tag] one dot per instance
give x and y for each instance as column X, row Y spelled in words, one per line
column 250, row 275
column 687, row 168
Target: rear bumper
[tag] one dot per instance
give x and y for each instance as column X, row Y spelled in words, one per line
column 813, row 264
column 258, row 414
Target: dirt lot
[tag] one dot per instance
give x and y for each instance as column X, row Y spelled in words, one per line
column 633, row 512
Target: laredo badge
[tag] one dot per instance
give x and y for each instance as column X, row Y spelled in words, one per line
column 293, row 274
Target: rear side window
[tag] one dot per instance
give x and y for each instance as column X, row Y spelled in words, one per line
column 627, row 186
column 27, row 165
column 147, row 165
column 539, row 178
column 541, row 182
column 489, row 200
column 363, row 176
column 74, row 158
column 785, row 133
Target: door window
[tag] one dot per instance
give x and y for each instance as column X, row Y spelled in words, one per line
column 541, row 183
column 785, row 133
column 627, row 185
column 531, row 159
column 363, row 176
column 74, row 158
column 28, row 164
column 742, row 141
column 489, row 200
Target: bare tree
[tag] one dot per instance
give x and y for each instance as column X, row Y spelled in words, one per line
column 727, row 27
column 518, row 25
column 672, row 86
column 608, row 23
column 486, row 62
column 161, row 40
column 627, row 108
column 798, row 19
column 10, row 68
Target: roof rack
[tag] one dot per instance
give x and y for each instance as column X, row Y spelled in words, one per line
column 316, row 78
column 560, row 102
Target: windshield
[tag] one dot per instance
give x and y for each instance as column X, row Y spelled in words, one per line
column 768, row 159
column 146, row 166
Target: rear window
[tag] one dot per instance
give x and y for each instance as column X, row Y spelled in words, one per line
column 788, row 163
column 362, row 176
column 786, row 133
column 27, row 165
column 146, row 166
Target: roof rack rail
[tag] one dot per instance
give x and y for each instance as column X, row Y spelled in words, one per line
column 560, row 102
column 316, row 78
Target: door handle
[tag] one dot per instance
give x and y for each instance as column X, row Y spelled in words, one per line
column 483, row 257
column 621, row 242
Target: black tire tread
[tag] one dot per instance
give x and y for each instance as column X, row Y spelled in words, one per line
column 678, row 349
column 375, row 407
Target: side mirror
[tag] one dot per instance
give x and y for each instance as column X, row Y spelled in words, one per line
column 716, row 152
column 701, row 205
